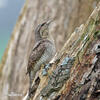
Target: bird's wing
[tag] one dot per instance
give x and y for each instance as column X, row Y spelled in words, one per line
column 36, row 54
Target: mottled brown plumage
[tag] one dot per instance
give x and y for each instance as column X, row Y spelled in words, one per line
column 42, row 52
column 36, row 54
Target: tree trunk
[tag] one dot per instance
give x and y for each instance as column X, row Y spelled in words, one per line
column 75, row 74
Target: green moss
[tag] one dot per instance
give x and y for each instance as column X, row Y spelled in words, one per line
column 97, row 21
column 86, row 38
column 96, row 34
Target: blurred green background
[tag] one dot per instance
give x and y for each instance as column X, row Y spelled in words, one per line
column 9, row 12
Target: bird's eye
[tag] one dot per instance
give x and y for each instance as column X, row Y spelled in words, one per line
column 43, row 24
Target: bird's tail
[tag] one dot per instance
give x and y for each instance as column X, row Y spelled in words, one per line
column 27, row 72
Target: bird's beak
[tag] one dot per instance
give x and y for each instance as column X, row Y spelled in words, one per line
column 49, row 22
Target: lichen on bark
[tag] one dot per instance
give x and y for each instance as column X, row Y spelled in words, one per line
column 76, row 81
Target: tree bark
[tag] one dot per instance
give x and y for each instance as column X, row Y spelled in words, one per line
column 75, row 73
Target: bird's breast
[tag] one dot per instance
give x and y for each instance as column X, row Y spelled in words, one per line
column 47, row 55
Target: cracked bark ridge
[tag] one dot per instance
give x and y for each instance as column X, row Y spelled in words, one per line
column 84, row 81
column 90, row 82
column 77, row 76
column 58, row 77
column 84, row 76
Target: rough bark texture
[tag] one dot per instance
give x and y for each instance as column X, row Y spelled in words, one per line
column 75, row 73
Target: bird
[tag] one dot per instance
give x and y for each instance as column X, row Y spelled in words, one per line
column 42, row 52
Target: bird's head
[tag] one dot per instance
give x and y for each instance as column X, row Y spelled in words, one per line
column 42, row 31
